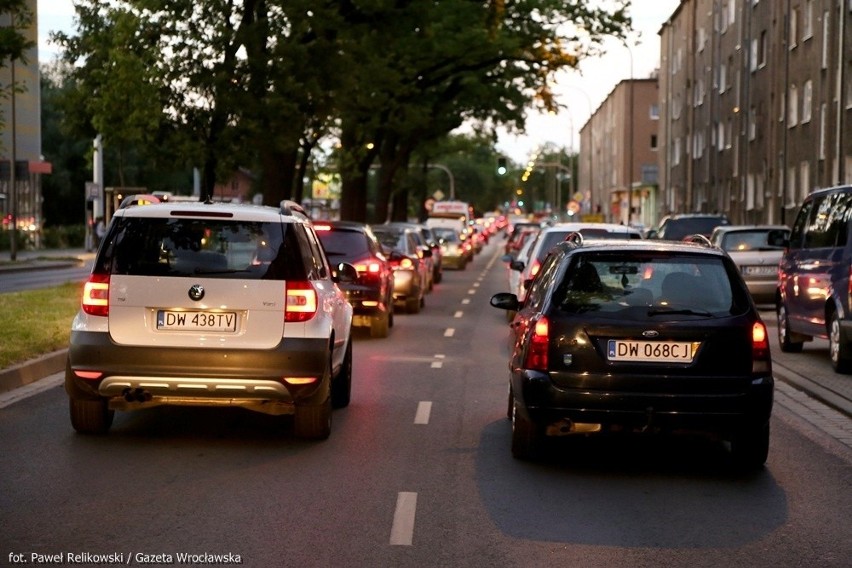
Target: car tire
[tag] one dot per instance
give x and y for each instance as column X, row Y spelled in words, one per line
column 313, row 422
column 412, row 305
column 784, row 333
column 838, row 350
column 527, row 437
column 90, row 416
column 750, row 447
column 439, row 275
column 379, row 325
column 341, row 386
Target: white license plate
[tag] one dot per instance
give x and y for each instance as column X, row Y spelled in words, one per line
column 652, row 351
column 760, row 270
column 196, row 321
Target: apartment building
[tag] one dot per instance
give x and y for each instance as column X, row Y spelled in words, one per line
column 755, row 105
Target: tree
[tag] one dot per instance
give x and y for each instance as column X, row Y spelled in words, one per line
column 13, row 41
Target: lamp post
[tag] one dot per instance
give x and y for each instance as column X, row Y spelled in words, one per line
column 591, row 149
column 450, row 174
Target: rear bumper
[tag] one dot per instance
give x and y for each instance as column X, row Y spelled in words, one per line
column 192, row 376
column 722, row 411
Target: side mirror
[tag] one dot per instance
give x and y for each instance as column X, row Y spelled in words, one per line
column 427, row 252
column 505, row 301
column 517, row 265
column 345, row 273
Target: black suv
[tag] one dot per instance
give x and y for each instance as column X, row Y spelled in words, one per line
column 371, row 295
column 678, row 227
column 639, row 336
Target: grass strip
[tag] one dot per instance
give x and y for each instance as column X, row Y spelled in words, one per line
column 36, row 322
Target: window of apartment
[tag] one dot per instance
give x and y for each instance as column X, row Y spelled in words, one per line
column 825, row 32
column 794, row 27
column 729, row 133
column 823, row 117
column 732, row 12
column 791, row 186
column 723, row 18
column 702, row 39
column 805, row 189
column 698, row 93
column 653, row 141
column 723, row 77
column 749, row 192
column 654, row 112
column 752, row 123
column 782, row 107
column 698, row 145
column 762, row 49
column 720, row 136
column 650, row 173
column 807, row 101
column 808, row 20
column 793, row 107
column 676, row 152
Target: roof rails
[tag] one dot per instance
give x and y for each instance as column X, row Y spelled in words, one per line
column 290, row 207
column 575, row 238
column 698, row 239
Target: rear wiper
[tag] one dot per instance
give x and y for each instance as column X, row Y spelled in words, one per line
column 682, row 311
column 228, row 271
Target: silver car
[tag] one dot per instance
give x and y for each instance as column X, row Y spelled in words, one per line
column 756, row 250
column 211, row 304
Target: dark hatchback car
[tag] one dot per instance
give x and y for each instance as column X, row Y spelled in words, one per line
column 371, row 295
column 678, row 227
column 639, row 336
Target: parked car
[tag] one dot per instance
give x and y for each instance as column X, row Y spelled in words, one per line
column 371, row 295
column 638, row 336
column 211, row 304
column 756, row 250
column 678, row 227
column 550, row 236
column 814, row 284
column 455, row 252
column 411, row 272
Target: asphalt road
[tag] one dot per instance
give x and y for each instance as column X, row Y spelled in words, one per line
column 417, row 472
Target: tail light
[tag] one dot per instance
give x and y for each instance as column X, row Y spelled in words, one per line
column 539, row 342
column 369, row 268
column 760, row 358
column 96, row 295
column 301, row 303
column 404, row 264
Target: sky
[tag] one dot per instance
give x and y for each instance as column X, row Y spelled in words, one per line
column 582, row 90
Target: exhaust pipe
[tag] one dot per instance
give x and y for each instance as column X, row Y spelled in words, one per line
column 136, row 395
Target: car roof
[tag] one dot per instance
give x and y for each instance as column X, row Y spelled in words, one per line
column 220, row 210
column 735, row 228
column 639, row 245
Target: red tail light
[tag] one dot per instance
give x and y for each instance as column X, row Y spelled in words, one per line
column 759, row 348
column 96, row 295
column 539, row 342
column 369, row 265
column 404, row 264
column 301, row 302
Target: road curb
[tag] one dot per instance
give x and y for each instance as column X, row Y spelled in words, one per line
column 32, row 371
column 813, row 389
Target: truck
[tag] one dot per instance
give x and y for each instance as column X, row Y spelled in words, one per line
column 453, row 214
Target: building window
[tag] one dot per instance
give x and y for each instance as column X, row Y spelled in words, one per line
column 752, row 123
column 793, row 107
column 720, row 137
column 654, row 112
column 723, row 77
column 791, row 186
column 729, row 133
column 807, row 101
column 823, row 117
column 753, row 54
column 825, row 36
column 806, row 180
column 808, row 20
column 794, row 27
column 653, row 141
column 762, row 49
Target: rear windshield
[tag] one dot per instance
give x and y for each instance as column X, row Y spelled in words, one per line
column 342, row 244
column 677, row 229
column 755, row 240
column 392, row 239
column 193, row 247
column 448, row 235
column 650, row 284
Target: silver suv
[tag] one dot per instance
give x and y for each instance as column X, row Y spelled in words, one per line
column 211, row 304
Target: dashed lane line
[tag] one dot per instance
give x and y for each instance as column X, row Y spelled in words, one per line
column 402, row 531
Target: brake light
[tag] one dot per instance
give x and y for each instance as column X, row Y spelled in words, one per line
column 404, row 264
column 322, row 228
column 301, row 303
column 536, row 358
column 759, row 348
column 368, row 266
column 96, row 295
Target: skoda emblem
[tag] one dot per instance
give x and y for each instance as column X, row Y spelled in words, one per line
column 650, row 333
column 196, row 292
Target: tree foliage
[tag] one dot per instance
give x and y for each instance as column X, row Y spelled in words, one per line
column 260, row 83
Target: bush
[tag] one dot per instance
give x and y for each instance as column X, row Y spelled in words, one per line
column 64, row 236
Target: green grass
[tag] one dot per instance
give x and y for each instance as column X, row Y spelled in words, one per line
column 36, row 322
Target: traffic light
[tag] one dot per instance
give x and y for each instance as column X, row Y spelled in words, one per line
column 501, row 166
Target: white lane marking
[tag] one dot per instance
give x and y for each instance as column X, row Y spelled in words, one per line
column 437, row 364
column 458, row 314
column 471, row 291
column 424, row 408
column 402, row 531
column 476, row 284
column 449, row 332
column 466, row 301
